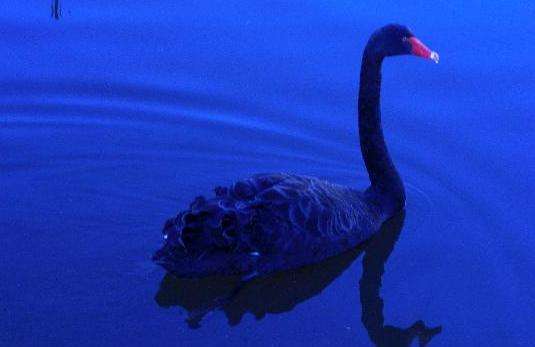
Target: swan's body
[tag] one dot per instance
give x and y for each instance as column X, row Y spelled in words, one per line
column 270, row 222
column 274, row 222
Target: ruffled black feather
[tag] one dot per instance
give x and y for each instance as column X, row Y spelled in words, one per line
column 264, row 223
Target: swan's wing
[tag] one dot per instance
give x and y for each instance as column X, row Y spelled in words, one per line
column 306, row 213
column 266, row 222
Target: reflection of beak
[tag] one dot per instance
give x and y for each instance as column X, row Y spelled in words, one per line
column 421, row 50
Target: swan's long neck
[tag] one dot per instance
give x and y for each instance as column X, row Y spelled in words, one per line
column 385, row 180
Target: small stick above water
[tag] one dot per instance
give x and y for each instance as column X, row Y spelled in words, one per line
column 56, row 9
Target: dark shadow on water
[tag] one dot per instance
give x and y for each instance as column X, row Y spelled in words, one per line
column 282, row 291
column 376, row 254
column 276, row 293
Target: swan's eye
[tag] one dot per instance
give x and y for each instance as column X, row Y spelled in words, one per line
column 404, row 39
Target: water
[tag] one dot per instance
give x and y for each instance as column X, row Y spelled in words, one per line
column 114, row 116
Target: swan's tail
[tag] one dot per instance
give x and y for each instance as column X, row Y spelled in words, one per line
column 210, row 236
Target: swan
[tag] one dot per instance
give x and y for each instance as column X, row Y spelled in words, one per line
column 273, row 222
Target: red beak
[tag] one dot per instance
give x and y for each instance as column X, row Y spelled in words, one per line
column 421, row 50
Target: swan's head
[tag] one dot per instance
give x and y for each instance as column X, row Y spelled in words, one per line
column 396, row 39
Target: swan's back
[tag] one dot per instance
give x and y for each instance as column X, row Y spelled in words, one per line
column 266, row 223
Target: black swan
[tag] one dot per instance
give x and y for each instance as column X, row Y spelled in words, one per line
column 274, row 222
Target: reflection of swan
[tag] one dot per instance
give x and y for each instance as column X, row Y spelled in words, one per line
column 282, row 291
column 276, row 293
column 373, row 263
column 273, row 222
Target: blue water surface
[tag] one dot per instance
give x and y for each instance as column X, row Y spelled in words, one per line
column 116, row 115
